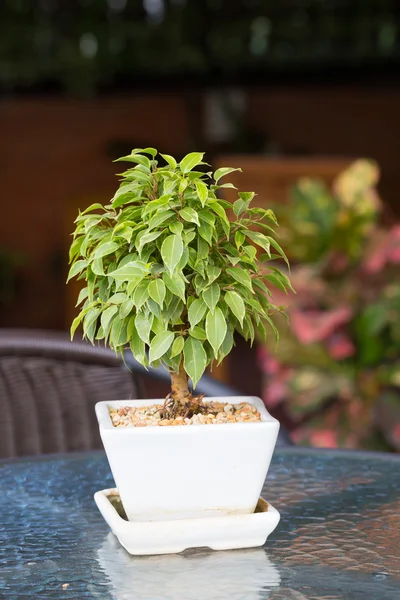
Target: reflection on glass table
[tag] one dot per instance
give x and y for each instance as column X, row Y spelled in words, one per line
column 339, row 535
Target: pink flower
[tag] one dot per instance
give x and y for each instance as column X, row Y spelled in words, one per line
column 340, row 346
column 268, row 363
column 275, row 392
column 315, row 325
column 386, row 251
column 324, row 438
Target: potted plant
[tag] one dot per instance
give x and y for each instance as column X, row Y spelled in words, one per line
column 170, row 276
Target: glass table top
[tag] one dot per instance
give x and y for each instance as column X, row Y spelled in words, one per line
column 339, row 535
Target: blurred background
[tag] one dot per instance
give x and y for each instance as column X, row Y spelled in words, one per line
column 304, row 95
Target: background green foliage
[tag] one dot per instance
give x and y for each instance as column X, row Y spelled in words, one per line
column 337, row 377
column 84, row 45
column 167, row 272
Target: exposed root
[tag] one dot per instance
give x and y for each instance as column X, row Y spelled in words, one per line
column 191, row 405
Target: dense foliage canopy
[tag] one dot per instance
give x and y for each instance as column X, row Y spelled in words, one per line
column 167, row 272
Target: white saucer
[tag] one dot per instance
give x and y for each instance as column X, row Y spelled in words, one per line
column 171, row 537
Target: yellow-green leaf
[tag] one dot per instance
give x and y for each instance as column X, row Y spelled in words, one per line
column 196, row 311
column 160, row 344
column 236, row 304
column 171, row 251
column 157, row 291
column 195, row 359
column 177, row 346
column 216, row 329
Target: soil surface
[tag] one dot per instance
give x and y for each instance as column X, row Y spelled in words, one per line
column 217, row 413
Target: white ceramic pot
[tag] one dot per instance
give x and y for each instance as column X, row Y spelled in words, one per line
column 196, row 471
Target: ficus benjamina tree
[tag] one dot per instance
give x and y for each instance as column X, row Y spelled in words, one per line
column 169, row 274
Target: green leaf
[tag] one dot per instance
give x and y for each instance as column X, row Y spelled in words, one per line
column 76, row 322
column 145, row 238
column 106, row 318
column 122, row 199
column 75, row 247
column 202, row 192
column 248, row 329
column 175, row 284
column 90, row 319
column 97, row 266
column 196, row 311
column 206, row 232
column 160, row 217
column 118, row 298
column 251, row 252
column 259, row 239
column 224, row 171
column 176, row 227
column 105, row 249
column 190, row 161
column 83, row 294
column 195, row 359
column 141, row 160
column 190, row 215
column 247, row 197
column 198, row 333
column 236, row 304
column 215, row 329
column 157, row 291
column 239, row 206
column 151, row 151
column 240, row 276
column 203, row 249
column 137, row 345
column 213, row 273
column 183, row 185
column 170, row 160
column 188, row 236
column 277, row 247
column 277, row 281
column 160, row 344
column 259, row 283
column 177, row 346
column 155, row 205
column 217, row 208
column 141, row 293
column 143, row 324
column 95, row 206
column 207, row 217
column 116, row 331
column 129, row 271
column 126, row 308
column 158, row 325
column 211, row 295
column 239, row 238
column 174, row 310
column 226, row 345
column 171, row 251
column 76, row 268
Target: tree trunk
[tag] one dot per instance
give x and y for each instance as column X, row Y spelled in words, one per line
column 181, row 402
column 179, row 385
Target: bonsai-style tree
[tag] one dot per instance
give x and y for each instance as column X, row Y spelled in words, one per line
column 169, row 274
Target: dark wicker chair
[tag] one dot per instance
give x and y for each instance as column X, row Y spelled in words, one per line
column 49, row 386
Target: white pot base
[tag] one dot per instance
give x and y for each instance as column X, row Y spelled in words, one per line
column 172, row 537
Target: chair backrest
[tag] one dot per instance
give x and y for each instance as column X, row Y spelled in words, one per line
column 48, row 389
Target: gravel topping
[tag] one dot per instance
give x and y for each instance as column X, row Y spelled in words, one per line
column 218, row 412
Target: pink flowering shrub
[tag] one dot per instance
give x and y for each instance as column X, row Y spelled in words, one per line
column 336, row 377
